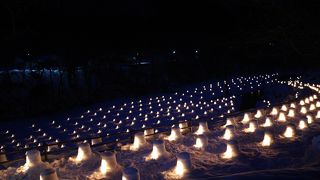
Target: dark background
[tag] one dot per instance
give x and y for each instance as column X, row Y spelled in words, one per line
column 102, row 38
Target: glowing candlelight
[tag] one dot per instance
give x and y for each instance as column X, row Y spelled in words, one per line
column 158, row 150
column 183, row 165
column 138, row 142
column 175, row 134
column 227, row 134
column 267, row 140
column 267, row 122
column 282, row 117
column 303, row 110
column 203, row 128
column 84, row 152
column 183, row 125
column 229, row 153
column 33, row 158
column 201, row 142
column 258, row 114
column 289, row 132
column 291, row 113
column 251, row 128
column 318, row 115
column 96, row 141
column 309, row 119
column 306, row 100
column 245, row 119
column 310, row 98
column 312, row 107
column 302, row 124
column 284, row 108
column 228, row 122
column 108, row 162
column 274, row 111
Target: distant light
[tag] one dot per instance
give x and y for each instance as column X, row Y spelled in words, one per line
column 174, row 52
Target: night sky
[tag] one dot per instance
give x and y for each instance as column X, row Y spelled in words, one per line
column 51, row 24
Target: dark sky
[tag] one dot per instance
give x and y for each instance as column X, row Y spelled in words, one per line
column 145, row 23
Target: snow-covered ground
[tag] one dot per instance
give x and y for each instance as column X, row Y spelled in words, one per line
column 205, row 100
column 248, row 158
